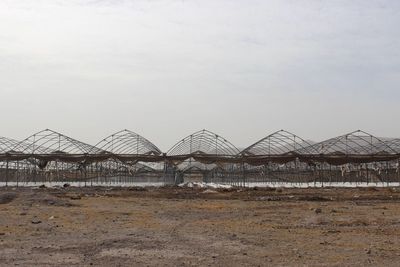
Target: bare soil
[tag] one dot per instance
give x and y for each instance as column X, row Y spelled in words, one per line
column 199, row 227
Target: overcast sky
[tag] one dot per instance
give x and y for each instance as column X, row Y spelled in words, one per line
column 164, row 69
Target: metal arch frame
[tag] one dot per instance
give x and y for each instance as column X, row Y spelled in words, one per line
column 351, row 144
column 203, row 145
column 278, row 143
column 15, row 146
column 394, row 144
column 48, row 152
column 115, row 164
column 203, row 142
column 7, row 144
column 53, row 142
column 126, row 142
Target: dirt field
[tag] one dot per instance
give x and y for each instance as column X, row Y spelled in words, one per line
column 206, row 227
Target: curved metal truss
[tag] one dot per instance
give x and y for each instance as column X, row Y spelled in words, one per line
column 394, row 144
column 51, row 142
column 7, row 144
column 354, row 143
column 128, row 142
column 128, row 157
column 278, row 143
column 204, row 143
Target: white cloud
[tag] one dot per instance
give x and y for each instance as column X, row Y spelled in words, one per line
column 166, row 68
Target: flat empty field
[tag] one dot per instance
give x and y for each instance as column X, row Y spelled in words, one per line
column 199, row 227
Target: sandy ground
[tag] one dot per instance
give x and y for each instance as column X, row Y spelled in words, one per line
column 199, row 227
